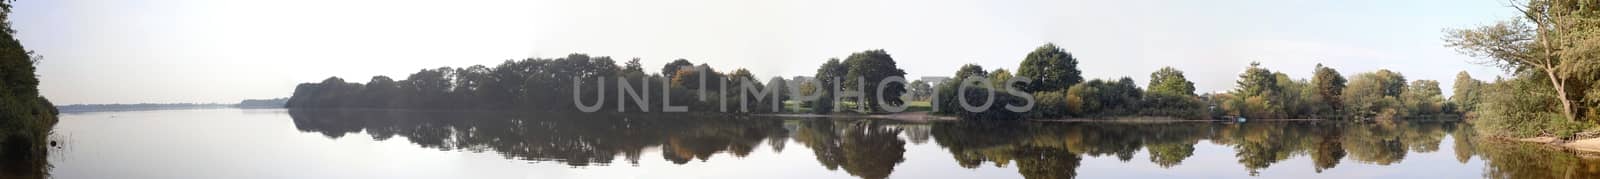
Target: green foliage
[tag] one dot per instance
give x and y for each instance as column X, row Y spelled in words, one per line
column 947, row 102
column 529, row 84
column 1424, row 98
column 1329, row 86
column 827, row 76
column 671, row 68
column 1050, row 104
column 1371, row 94
column 1175, row 105
column 1522, row 107
column 1051, row 68
column 1468, row 93
column 1559, row 39
column 1098, row 98
column 26, row 117
column 1257, row 94
column 998, row 77
column 1256, row 81
column 874, row 66
column 920, row 90
column 950, row 95
column 1170, row 80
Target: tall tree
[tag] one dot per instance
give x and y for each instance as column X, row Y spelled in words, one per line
column 1256, row 81
column 1466, row 94
column 920, row 90
column 1368, row 94
column 634, row 67
column 1051, row 68
column 827, row 75
column 1170, row 80
column 1557, row 38
column 1329, row 85
column 1423, row 97
column 671, row 69
column 874, row 66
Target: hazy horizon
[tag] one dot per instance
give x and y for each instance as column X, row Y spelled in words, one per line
column 206, row 51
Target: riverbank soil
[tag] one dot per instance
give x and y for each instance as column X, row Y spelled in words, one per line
column 1586, row 145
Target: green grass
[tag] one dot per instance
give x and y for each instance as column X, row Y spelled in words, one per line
column 917, row 106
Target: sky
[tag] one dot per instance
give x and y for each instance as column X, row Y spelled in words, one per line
column 170, row 51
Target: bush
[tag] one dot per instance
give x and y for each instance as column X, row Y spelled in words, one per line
column 1050, row 104
column 1173, row 105
column 1520, row 107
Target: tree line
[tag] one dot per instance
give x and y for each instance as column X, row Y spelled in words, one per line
column 1259, row 93
column 1054, row 84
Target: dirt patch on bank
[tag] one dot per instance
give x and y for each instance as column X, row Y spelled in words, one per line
column 1586, row 145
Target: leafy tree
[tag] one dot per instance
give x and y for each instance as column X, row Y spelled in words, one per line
column 1257, row 93
column 1555, row 38
column 1468, row 92
column 999, row 77
column 828, row 75
column 634, row 67
column 1051, row 67
column 1098, row 98
column 1329, row 85
column 1257, row 81
column 920, row 90
column 26, row 117
column 1423, row 97
column 1292, row 100
column 381, row 92
column 1170, row 80
column 874, row 66
column 671, row 69
column 1368, row 95
column 948, row 91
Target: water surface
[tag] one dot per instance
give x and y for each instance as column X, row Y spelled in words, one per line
column 254, row 143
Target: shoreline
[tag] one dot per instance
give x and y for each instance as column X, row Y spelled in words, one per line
column 1585, row 147
column 925, row 116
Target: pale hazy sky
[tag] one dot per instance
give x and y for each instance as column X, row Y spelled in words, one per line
column 130, row 51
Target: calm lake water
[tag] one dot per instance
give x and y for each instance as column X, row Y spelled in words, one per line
column 236, row 143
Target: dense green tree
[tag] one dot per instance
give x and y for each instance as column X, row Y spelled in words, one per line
column 671, row 68
column 1051, row 68
column 26, row 117
column 1467, row 92
column 1174, row 105
column 1170, row 80
column 1369, row 95
column 828, row 75
column 633, row 67
column 1257, row 94
column 920, row 90
column 1423, row 97
column 1098, row 98
column 1256, row 81
column 946, row 100
column 998, row 78
column 1294, row 99
column 381, row 92
column 874, row 66
column 1329, row 86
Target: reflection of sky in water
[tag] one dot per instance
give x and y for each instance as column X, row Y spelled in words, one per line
column 229, row 143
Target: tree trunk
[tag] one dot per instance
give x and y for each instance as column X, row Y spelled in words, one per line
column 1561, row 94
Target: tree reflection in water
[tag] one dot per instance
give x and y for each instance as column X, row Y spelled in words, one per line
column 872, row 148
